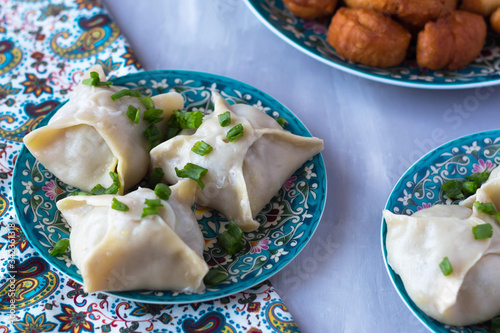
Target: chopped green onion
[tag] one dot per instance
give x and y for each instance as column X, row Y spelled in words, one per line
column 231, row 238
column 224, row 119
column 155, row 177
column 163, row 191
column 482, row 231
column 470, row 187
column 495, row 325
column 98, row 190
column 134, row 113
column 125, row 92
column 60, row 247
column 281, row 121
column 202, row 148
column 153, row 115
column 191, row 119
column 479, row 177
column 94, row 80
column 485, row 207
column 152, row 134
column 497, row 215
column 192, row 171
column 154, row 203
column 235, row 133
column 147, row 102
column 118, row 205
column 453, row 189
column 214, row 277
column 79, row 193
column 149, row 211
column 445, row 266
column 173, row 127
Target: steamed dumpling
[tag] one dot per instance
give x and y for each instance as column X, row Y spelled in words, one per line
column 417, row 244
column 91, row 135
column 245, row 174
column 117, row 251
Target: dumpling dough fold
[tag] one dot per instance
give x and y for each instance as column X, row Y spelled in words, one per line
column 91, row 135
column 245, row 174
column 417, row 244
column 118, row 251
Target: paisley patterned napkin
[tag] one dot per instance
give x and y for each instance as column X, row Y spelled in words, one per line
column 44, row 48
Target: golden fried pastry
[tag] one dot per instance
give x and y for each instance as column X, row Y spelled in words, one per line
column 452, row 41
column 448, row 6
column 483, row 7
column 359, row 4
column 412, row 12
column 310, row 9
column 495, row 20
column 368, row 37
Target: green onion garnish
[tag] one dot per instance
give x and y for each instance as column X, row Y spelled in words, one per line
column 163, row 191
column 79, row 193
column 445, row 266
column 482, row 231
column 235, row 133
column 224, row 119
column 95, row 81
column 153, row 135
column 60, row 247
column 153, row 115
column 457, row 189
column 154, row 202
column 118, row 205
column 155, row 177
column 214, row 277
column 149, row 211
column 480, row 176
column 485, row 207
column 281, row 121
column 191, row 119
column 192, row 171
column 147, row 102
column 173, row 127
column 125, row 92
column 98, row 190
column 231, row 238
column 453, row 189
column 152, row 207
column 134, row 113
column 202, row 148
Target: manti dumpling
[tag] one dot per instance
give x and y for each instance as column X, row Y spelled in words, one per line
column 245, row 174
column 118, row 250
column 417, row 244
column 91, row 135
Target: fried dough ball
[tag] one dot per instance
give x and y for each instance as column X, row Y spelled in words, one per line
column 495, row 20
column 483, row 7
column 452, row 41
column 359, row 4
column 310, row 9
column 368, row 37
column 412, row 12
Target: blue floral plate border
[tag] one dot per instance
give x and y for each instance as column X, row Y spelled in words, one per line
column 287, row 222
column 309, row 37
column 420, row 187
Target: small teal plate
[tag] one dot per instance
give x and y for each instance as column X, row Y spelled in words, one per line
column 420, row 188
column 309, row 36
column 287, row 222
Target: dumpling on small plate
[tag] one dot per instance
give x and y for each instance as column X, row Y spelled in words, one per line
column 243, row 175
column 91, row 135
column 119, row 250
column 417, row 245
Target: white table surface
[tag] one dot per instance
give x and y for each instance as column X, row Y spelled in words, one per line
column 372, row 131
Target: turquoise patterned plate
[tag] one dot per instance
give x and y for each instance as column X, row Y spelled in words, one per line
column 309, row 36
column 420, row 188
column 287, row 222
